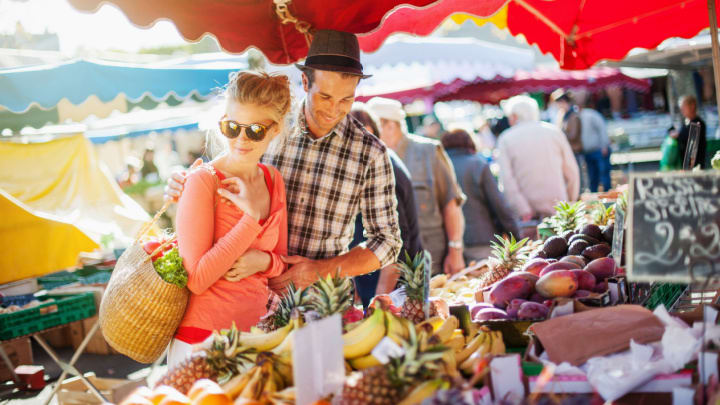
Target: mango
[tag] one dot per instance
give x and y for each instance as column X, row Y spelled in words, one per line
column 487, row 314
column 508, row 289
column 601, row 287
column 535, row 297
column 535, row 266
column 560, row 283
column 579, row 260
column 475, row 308
column 586, row 280
column 601, row 268
column 514, row 306
column 530, row 277
column 559, row 266
column 532, row 310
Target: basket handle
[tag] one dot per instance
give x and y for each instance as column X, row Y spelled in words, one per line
column 152, row 222
column 160, row 248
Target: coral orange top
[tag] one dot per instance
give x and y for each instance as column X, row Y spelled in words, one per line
column 211, row 237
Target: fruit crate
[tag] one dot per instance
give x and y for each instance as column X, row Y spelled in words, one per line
column 18, row 300
column 664, row 293
column 61, row 310
column 85, row 275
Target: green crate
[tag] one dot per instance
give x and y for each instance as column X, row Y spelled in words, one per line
column 62, row 310
column 664, row 293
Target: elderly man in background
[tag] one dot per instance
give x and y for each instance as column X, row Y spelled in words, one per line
column 438, row 196
column 537, row 165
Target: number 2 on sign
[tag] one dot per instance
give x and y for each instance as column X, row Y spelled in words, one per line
column 666, row 230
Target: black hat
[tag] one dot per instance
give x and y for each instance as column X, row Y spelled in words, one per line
column 334, row 51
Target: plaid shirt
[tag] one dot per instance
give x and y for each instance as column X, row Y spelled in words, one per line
column 328, row 182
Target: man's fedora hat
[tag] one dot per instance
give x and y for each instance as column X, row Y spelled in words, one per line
column 334, row 51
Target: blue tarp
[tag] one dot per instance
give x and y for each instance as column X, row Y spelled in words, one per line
column 45, row 86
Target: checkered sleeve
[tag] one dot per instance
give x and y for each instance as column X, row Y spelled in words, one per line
column 379, row 209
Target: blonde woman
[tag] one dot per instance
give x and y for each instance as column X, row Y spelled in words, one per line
column 232, row 206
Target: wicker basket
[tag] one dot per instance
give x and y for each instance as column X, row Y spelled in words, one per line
column 140, row 312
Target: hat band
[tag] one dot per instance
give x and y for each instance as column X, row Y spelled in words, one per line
column 333, row 60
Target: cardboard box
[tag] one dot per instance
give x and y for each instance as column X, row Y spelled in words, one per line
column 20, row 352
column 74, row 391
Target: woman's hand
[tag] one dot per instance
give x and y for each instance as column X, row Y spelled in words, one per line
column 252, row 262
column 239, row 194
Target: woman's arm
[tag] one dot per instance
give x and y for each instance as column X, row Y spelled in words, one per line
column 204, row 261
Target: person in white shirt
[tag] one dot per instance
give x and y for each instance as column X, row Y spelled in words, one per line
column 537, row 166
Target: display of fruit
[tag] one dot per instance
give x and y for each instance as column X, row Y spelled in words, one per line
column 560, row 283
column 203, row 392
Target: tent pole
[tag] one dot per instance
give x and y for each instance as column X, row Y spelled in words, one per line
column 715, row 50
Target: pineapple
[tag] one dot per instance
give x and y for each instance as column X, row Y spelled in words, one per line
column 568, row 217
column 291, row 299
column 391, row 382
column 330, row 295
column 412, row 277
column 219, row 363
column 602, row 216
column 507, row 256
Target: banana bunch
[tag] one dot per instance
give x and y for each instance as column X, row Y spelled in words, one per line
column 268, row 376
column 486, row 343
column 424, row 391
column 263, row 342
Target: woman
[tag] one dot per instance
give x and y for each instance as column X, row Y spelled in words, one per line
column 486, row 211
column 384, row 281
column 231, row 206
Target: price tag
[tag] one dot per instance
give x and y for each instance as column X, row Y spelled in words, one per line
column 319, row 368
column 618, row 234
column 386, row 349
column 690, row 158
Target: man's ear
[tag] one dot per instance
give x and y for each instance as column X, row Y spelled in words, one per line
column 305, row 82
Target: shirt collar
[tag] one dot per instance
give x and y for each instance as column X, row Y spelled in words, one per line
column 303, row 130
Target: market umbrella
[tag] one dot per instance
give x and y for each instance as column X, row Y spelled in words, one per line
column 578, row 33
column 278, row 28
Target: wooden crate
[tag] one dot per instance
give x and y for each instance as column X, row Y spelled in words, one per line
column 74, row 391
column 59, row 337
column 97, row 344
column 20, row 352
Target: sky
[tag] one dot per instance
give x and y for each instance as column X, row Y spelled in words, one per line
column 106, row 29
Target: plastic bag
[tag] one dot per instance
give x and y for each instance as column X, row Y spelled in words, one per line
column 670, row 159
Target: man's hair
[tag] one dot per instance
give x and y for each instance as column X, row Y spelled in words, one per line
column 689, row 100
column 523, row 107
column 310, row 74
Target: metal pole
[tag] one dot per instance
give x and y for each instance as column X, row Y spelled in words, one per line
column 715, row 50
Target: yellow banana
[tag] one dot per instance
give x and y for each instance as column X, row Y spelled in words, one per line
column 424, row 391
column 471, row 347
column 445, row 331
column 450, row 363
column 251, row 387
column 435, row 322
column 458, row 332
column 361, row 340
column 396, row 328
column 235, row 386
column 285, row 347
column 456, row 344
column 266, row 341
column 498, row 346
column 361, row 363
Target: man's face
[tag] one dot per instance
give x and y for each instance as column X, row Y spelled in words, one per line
column 329, row 99
column 687, row 110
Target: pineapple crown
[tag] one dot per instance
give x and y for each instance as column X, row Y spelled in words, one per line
column 225, row 355
column 331, row 295
column 509, row 252
column 291, row 299
column 414, row 364
column 602, row 215
column 568, row 216
column 412, row 274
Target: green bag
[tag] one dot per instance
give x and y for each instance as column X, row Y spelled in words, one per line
column 670, row 159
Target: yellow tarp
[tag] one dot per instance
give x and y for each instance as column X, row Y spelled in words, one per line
column 62, row 179
column 499, row 18
column 33, row 245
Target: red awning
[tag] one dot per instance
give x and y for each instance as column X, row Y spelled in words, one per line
column 578, row 33
column 241, row 24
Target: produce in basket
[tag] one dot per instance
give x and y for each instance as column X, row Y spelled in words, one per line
column 167, row 263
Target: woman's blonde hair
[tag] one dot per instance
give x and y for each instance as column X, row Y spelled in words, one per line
column 262, row 89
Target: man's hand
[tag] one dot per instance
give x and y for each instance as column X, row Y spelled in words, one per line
column 302, row 272
column 674, row 134
column 454, row 261
column 253, row 261
column 176, row 182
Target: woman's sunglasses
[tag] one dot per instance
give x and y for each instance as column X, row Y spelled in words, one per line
column 255, row 132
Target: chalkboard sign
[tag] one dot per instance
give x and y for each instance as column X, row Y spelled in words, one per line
column 673, row 223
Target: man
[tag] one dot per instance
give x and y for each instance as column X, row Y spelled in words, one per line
column 537, row 166
column 688, row 109
column 569, row 122
column 437, row 195
column 596, row 148
column 333, row 170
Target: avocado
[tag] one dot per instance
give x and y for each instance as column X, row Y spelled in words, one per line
column 555, row 246
column 608, row 232
column 577, row 247
column 592, row 230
